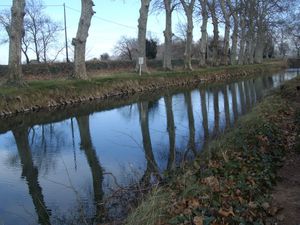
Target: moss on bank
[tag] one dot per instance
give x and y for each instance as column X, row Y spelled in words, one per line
column 231, row 180
column 52, row 93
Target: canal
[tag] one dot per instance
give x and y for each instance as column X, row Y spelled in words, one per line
column 89, row 167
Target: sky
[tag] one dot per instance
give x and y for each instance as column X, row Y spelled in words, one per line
column 113, row 19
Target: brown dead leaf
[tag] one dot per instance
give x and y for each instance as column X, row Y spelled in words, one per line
column 193, row 203
column 198, row 220
column 212, row 182
column 226, row 213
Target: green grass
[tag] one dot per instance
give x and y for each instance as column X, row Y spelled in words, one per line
column 40, row 92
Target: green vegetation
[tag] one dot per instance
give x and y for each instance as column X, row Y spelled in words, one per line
column 51, row 93
column 231, row 180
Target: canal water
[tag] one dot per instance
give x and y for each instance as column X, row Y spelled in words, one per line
column 88, row 168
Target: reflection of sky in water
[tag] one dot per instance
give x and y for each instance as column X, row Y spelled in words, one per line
column 63, row 169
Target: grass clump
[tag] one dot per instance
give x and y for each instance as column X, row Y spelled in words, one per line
column 150, row 211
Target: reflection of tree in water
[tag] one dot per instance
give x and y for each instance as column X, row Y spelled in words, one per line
column 97, row 172
column 216, row 112
column 259, row 87
column 152, row 168
column 252, row 92
column 204, row 116
column 191, row 143
column 128, row 111
column 242, row 97
column 171, row 130
column 226, row 106
column 247, row 94
column 234, row 101
column 46, row 142
column 30, row 173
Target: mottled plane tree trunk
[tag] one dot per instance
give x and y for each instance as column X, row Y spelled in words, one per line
column 226, row 14
column 79, row 42
column 234, row 37
column 167, row 63
column 203, row 40
column 188, row 6
column 242, row 33
column 261, row 32
column 16, row 32
column 142, row 29
column 250, row 37
column 215, row 43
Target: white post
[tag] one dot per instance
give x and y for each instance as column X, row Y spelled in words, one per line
column 141, row 62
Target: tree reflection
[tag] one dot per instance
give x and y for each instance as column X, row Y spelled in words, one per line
column 216, row 112
column 234, row 102
column 30, row 173
column 252, row 92
column 171, row 130
column 191, row 143
column 204, row 116
column 152, row 168
column 226, row 106
column 91, row 155
column 242, row 97
column 247, row 94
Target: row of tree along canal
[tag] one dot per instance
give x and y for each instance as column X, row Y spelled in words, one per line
column 189, row 121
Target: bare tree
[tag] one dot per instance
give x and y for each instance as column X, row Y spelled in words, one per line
column 126, row 48
column 142, row 29
column 4, row 25
column 16, row 31
column 41, row 32
column 188, row 6
column 79, row 42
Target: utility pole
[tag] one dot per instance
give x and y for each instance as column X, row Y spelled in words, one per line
column 66, row 34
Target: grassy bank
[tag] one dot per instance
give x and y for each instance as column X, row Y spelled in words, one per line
column 41, row 94
column 231, row 181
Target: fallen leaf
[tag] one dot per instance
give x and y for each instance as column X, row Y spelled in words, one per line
column 198, row 220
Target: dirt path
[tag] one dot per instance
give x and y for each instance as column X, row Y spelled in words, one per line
column 286, row 194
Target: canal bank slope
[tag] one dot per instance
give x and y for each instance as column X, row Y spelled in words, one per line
column 50, row 94
column 233, row 180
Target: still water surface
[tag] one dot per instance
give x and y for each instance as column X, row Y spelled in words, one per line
column 66, row 172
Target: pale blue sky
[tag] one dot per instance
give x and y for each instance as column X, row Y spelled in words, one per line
column 103, row 35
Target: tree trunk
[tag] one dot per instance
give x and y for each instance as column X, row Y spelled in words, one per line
column 142, row 29
column 250, row 43
column 203, row 41
column 167, row 63
column 234, row 37
column 79, row 42
column 260, row 40
column 242, row 39
column 215, row 42
column 234, row 40
column 24, row 50
column 16, row 32
column 188, row 9
column 226, row 15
